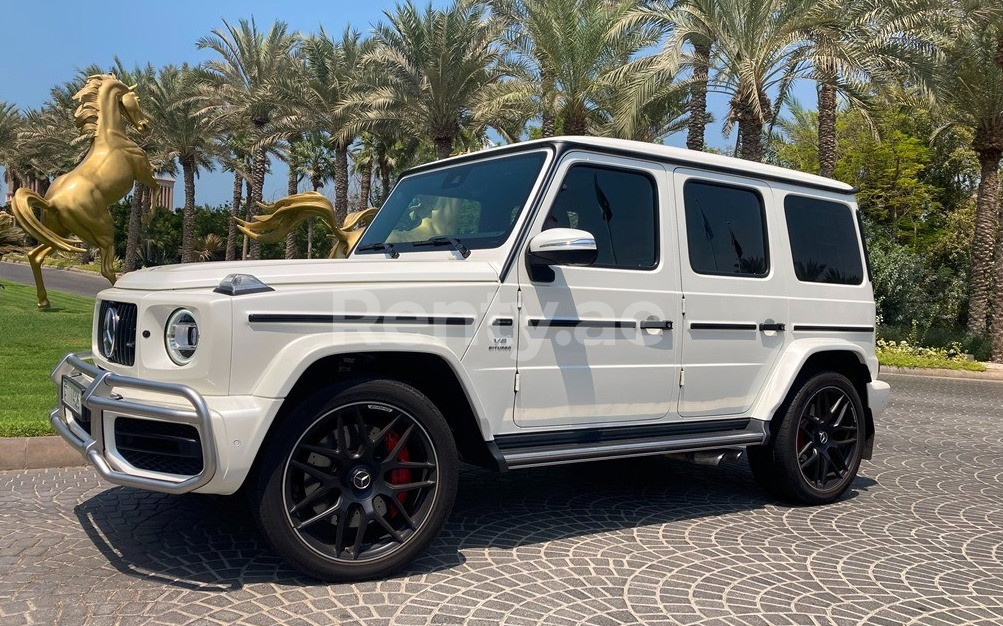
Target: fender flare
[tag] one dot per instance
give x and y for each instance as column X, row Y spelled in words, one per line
column 792, row 361
column 286, row 368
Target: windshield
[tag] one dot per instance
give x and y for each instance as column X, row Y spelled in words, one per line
column 477, row 203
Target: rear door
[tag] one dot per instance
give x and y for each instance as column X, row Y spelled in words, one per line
column 735, row 302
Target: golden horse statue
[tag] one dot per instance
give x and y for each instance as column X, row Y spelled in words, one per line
column 281, row 217
column 77, row 202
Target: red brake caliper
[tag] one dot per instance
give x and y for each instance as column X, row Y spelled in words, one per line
column 398, row 476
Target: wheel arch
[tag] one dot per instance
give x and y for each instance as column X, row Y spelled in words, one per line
column 810, row 357
column 429, row 372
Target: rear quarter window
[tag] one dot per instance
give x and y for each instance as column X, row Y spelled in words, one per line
column 824, row 243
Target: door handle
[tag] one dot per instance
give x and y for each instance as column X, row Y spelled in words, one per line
column 656, row 325
column 777, row 326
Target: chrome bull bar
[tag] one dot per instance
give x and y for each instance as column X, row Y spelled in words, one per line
column 97, row 397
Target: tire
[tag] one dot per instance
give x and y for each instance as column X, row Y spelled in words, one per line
column 813, row 461
column 374, row 451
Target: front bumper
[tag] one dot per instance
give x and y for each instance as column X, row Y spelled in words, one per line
column 184, row 406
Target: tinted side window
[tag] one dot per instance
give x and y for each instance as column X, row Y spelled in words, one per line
column 823, row 241
column 725, row 230
column 618, row 207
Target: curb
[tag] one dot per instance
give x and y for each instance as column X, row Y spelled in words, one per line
column 995, row 375
column 21, row 453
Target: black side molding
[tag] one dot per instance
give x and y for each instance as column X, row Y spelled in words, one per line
column 721, row 326
column 574, row 323
column 805, row 328
column 305, row 318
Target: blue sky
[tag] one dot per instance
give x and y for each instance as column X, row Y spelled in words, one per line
column 46, row 42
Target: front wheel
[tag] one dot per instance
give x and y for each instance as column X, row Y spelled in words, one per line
column 816, row 450
column 358, row 481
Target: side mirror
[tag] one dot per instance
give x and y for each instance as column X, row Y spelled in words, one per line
column 563, row 246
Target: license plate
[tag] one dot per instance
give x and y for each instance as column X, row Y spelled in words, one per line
column 72, row 396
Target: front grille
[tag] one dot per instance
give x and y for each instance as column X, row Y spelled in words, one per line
column 159, row 446
column 124, row 349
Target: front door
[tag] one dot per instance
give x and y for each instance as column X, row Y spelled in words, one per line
column 593, row 347
column 735, row 302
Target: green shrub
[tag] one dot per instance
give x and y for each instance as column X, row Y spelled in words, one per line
column 905, row 354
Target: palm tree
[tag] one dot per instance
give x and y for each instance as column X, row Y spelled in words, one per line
column 857, row 47
column 437, row 71
column 184, row 133
column 660, row 14
column 569, row 51
column 971, row 95
column 10, row 126
column 364, row 162
column 237, row 90
column 759, row 48
column 315, row 160
column 328, row 75
column 233, row 153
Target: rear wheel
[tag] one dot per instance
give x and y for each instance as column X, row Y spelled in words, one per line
column 816, row 449
column 359, row 481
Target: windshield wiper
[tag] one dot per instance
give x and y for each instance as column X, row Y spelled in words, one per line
column 445, row 241
column 387, row 247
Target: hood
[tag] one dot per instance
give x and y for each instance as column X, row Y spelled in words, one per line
column 312, row 272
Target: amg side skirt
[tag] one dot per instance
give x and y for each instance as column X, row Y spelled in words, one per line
column 595, row 444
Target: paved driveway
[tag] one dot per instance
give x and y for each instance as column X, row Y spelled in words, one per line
column 81, row 283
column 919, row 540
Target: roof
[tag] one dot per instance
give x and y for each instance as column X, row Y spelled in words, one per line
column 679, row 156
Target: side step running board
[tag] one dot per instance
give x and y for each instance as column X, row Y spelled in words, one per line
column 595, row 444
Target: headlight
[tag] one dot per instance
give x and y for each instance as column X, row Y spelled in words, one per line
column 181, row 336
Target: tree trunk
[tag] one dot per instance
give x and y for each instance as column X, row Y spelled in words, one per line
column 826, row 130
column 575, row 121
column 231, row 228
column 188, row 222
column 750, row 126
column 982, row 248
column 999, row 46
column 997, row 323
column 698, row 96
column 131, row 262
column 750, row 135
column 291, row 188
column 548, row 127
column 443, row 147
column 385, row 183
column 247, row 215
column 365, row 184
column 258, row 168
column 340, row 182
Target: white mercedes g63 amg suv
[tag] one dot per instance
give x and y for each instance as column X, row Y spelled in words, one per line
column 555, row 301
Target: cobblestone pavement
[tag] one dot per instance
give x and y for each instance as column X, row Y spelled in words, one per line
column 919, row 540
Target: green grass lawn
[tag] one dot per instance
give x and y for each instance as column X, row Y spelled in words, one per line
column 31, row 344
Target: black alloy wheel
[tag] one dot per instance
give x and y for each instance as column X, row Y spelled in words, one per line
column 827, row 438
column 367, row 482
column 816, row 447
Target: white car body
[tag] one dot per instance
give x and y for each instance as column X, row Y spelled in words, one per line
column 535, row 361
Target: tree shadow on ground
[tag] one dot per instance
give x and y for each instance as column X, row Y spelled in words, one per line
column 211, row 543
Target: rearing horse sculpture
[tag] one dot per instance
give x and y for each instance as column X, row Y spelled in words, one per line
column 77, row 202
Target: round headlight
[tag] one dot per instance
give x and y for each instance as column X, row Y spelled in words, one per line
column 181, row 336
